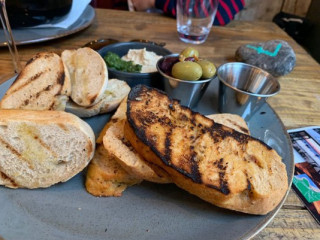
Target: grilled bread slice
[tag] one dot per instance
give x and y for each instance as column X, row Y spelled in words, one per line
column 214, row 162
column 41, row 148
column 117, row 116
column 89, row 75
column 121, row 149
column 123, row 152
column 43, row 84
column 105, row 177
column 116, row 91
column 233, row 121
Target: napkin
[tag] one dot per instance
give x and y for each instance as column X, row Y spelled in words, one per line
column 77, row 8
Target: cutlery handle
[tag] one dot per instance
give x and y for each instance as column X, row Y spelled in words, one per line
column 10, row 40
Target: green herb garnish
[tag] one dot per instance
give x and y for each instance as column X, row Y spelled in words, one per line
column 114, row 61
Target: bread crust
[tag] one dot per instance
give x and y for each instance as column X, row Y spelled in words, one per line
column 220, row 165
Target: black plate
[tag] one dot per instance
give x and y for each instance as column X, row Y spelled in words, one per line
column 23, row 36
column 122, row 48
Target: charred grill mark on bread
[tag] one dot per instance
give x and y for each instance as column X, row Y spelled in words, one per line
column 48, row 88
column 217, row 132
column 6, row 178
column 27, row 82
column 223, row 184
column 61, row 77
column 92, row 98
column 128, row 144
column 45, row 146
column 63, row 127
column 90, row 148
column 243, row 129
column 33, row 59
column 16, row 152
column 167, row 155
column 195, row 173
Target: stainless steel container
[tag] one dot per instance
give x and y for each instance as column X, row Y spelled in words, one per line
column 244, row 88
column 188, row 92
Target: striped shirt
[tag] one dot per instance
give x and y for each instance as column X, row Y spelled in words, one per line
column 225, row 13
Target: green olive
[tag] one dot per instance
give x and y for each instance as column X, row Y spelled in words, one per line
column 187, row 71
column 190, row 52
column 208, row 69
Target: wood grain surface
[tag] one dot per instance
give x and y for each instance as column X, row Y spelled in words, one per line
column 297, row 104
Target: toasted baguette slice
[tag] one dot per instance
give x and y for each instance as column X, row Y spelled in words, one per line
column 105, row 177
column 121, row 149
column 117, row 116
column 233, row 121
column 89, row 75
column 116, row 91
column 41, row 148
column 214, row 162
column 43, row 84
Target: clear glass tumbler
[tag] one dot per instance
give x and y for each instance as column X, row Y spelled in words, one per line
column 195, row 18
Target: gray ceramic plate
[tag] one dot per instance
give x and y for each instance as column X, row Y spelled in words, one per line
column 24, row 36
column 146, row 211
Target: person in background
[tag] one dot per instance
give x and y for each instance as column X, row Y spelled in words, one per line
column 227, row 9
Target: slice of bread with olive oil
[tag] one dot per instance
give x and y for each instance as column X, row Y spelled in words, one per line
column 42, row 148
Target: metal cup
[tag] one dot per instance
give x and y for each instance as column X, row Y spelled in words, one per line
column 188, row 92
column 243, row 88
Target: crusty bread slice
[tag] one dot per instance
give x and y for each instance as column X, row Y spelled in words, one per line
column 89, row 75
column 105, row 177
column 233, row 121
column 121, row 149
column 116, row 91
column 43, row 84
column 214, row 162
column 41, row 148
column 117, row 116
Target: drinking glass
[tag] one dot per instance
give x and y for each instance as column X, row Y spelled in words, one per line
column 8, row 34
column 194, row 19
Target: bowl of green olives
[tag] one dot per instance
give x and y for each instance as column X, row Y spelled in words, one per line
column 186, row 76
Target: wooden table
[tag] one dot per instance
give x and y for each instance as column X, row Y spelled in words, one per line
column 298, row 103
